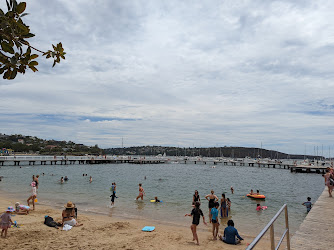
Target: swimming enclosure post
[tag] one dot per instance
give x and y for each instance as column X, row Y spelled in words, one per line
column 272, row 236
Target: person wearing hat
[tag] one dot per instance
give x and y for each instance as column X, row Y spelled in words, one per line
column 68, row 215
column 21, row 209
column 6, row 221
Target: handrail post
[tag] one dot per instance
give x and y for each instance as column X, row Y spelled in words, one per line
column 272, row 237
column 287, row 227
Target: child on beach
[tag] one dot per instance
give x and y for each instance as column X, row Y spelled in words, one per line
column 214, row 220
column 156, row 199
column 33, row 195
column 228, row 205
column 196, row 213
column 308, row 204
column 21, row 209
column 6, row 221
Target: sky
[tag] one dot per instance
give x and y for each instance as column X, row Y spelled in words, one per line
column 179, row 73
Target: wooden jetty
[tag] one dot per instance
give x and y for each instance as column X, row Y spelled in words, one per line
column 316, row 231
column 70, row 160
column 31, row 161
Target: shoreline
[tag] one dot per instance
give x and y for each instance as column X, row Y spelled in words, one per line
column 106, row 232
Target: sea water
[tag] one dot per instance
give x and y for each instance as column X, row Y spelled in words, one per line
column 174, row 184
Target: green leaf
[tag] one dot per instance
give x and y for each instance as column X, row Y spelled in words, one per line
column 33, row 68
column 14, row 73
column 21, row 7
column 33, row 56
column 23, row 27
column 7, row 74
column 28, row 35
column 33, row 63
column 6, row 47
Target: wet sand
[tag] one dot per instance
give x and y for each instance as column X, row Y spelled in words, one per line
column 105, row 232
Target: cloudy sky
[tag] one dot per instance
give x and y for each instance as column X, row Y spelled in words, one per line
column 179, row 73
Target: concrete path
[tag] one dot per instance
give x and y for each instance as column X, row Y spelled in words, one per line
column 317, row 230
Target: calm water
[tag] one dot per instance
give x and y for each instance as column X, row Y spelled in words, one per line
column 174, row 184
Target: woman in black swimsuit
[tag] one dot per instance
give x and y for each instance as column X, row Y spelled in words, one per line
column 196, row 197
column 212, row 198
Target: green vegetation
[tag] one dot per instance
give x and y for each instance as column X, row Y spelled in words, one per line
column 32, row 144
column 234, row 152
column 15, row 51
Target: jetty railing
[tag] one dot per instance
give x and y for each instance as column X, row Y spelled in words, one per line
column 270, row 226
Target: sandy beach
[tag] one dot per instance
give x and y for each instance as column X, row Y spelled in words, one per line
column 105, row 232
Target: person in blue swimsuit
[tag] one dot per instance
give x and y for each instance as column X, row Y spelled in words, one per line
column 214, row 220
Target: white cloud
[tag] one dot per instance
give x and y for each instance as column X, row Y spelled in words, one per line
column 180, row 73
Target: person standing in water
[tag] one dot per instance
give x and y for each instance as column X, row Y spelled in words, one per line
column 196, row 213
column 90, row 179
column 196, row 198
column 223, row 207
column 212, row 198
column 141, row 192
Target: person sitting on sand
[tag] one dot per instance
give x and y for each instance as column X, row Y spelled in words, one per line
column 196, row 213
column 33, row 195
column 21, row 209
column 68, row 215
column 230, row 234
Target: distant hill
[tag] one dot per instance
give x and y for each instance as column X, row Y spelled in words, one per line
column 31, row 144
column 234, row 152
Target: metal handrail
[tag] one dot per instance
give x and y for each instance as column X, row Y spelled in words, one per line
column 271, row 226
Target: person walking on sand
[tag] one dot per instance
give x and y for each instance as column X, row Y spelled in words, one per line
column 33, row 195
column 212, row 198
column 141, row 192
column 196, row 213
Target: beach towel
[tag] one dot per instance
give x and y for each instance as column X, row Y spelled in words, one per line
column 148, row 229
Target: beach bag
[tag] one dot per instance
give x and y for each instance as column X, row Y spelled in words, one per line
column 50, row 222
